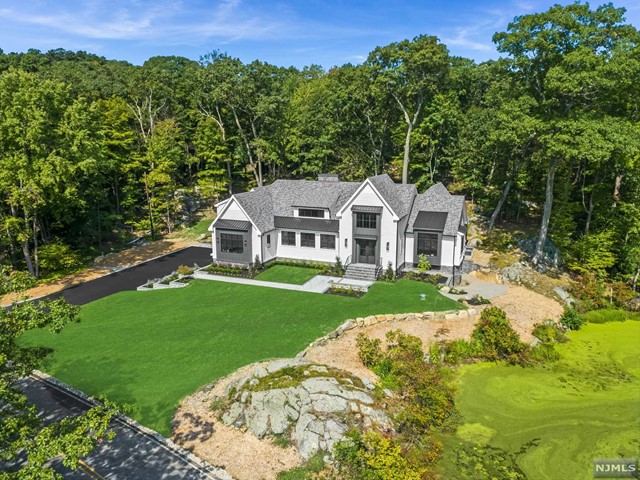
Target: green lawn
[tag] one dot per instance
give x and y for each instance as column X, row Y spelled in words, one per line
column 585, row 406
column 287, row 274
column 150, row 349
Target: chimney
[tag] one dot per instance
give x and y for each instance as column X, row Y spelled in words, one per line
column 328, row 177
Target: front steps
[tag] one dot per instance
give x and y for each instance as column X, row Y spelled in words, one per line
column 361, row 271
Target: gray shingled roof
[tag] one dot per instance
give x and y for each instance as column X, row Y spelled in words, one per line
column 398, row 196
column 279, row 198
column 263, row 204
column 438, row 199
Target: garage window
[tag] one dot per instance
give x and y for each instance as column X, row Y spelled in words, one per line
column 231, row 243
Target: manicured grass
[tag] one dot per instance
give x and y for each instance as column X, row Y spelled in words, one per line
column 554, row 420
column 150, row 349
column 287, row 274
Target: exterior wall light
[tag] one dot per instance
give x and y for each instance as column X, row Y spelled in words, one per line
column 387, row 246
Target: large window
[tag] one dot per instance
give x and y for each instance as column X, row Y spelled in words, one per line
column 328, row 241
column 231, row 243
column 289, row 238
column 428, row 244
column 308, row 240
column 310, row 212
column 366, row 220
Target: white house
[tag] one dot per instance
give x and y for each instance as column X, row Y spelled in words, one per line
column 366, row 224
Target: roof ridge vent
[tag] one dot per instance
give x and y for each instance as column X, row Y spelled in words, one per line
column 328, row 177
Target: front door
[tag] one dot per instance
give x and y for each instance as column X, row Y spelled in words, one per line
column 365, row 251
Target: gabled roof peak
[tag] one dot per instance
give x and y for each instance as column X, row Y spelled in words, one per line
column 437, row 189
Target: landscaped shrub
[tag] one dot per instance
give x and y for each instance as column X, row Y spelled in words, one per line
column 372, row 457
column 389, row 273
column 369, row 350
column 424, row 393
column 497, row 338
column 423, row 264
column 571, row 319
column 478, row 300
column 184, row 270
column 433, row 279
column 338, row 269
column 231, row 270
column 345, row 291
column 549, row 332
column 459, row 351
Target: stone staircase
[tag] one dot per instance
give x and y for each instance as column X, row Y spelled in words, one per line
column 361, row 271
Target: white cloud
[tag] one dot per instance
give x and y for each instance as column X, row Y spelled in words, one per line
column 163, row 21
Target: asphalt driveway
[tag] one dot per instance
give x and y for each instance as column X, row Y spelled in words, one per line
column 132, row 454
column 132, row 277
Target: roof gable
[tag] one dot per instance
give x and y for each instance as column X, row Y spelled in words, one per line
column 429, row 207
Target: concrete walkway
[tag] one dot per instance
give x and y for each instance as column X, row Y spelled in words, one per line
column 476, row 286
column 318, row 284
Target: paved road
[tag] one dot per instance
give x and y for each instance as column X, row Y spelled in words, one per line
column 132, row 455
column 132, row 277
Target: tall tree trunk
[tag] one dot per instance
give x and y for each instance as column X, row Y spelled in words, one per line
column 407, row 153
column 546, row 215
column 503, row 196
column 589, row 214
column 411, row 123
column 616, row 189
column 27, row 256
column 635, row 277
column 36, row 257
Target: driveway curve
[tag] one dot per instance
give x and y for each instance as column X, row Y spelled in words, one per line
column 132, row 277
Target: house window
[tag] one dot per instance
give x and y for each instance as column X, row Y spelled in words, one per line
column 310, row 212
column 268, row 240
column 308, row 240
column 289, row 238
column 230, row 243
column 366, row 220
column 328, row 241
column 427, row 244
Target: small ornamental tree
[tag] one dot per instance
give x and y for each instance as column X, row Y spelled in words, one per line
column 498, row 339
column 423, row 264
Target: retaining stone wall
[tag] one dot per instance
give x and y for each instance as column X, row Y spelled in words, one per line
column 361, row 322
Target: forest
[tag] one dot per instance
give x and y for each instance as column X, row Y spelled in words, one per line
column 94, row 152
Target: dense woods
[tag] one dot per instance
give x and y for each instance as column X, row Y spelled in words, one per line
column 94, row 151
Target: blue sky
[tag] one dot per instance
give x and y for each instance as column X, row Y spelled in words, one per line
column 282, row 32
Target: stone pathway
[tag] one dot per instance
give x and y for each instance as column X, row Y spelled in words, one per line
column 478, row 287
column 318, row 284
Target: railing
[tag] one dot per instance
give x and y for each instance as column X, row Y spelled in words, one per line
column 347, row 262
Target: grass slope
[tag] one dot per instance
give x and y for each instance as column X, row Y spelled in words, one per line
column 150, row 349
column 583, row 407
column 287, row 274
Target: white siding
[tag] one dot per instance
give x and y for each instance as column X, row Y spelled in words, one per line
column 446, row 260
column 268, row 252
column 256, row 245
column 307, row 253
column 459, row 249
column 388, row 228
column 234, row 212
column 409, row 249
column 402, row 226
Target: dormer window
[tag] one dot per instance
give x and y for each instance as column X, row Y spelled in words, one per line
column 311, row 212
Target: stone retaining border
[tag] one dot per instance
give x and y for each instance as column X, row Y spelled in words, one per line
column 361, row 322
column 216, row 473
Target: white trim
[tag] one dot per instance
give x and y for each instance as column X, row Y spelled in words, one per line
column 225, row 207
column 358, row 191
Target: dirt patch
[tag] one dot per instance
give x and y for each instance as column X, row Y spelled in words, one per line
column 243, row 455
column 102, row 266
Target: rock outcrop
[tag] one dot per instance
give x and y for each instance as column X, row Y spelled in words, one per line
column 311, row 405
